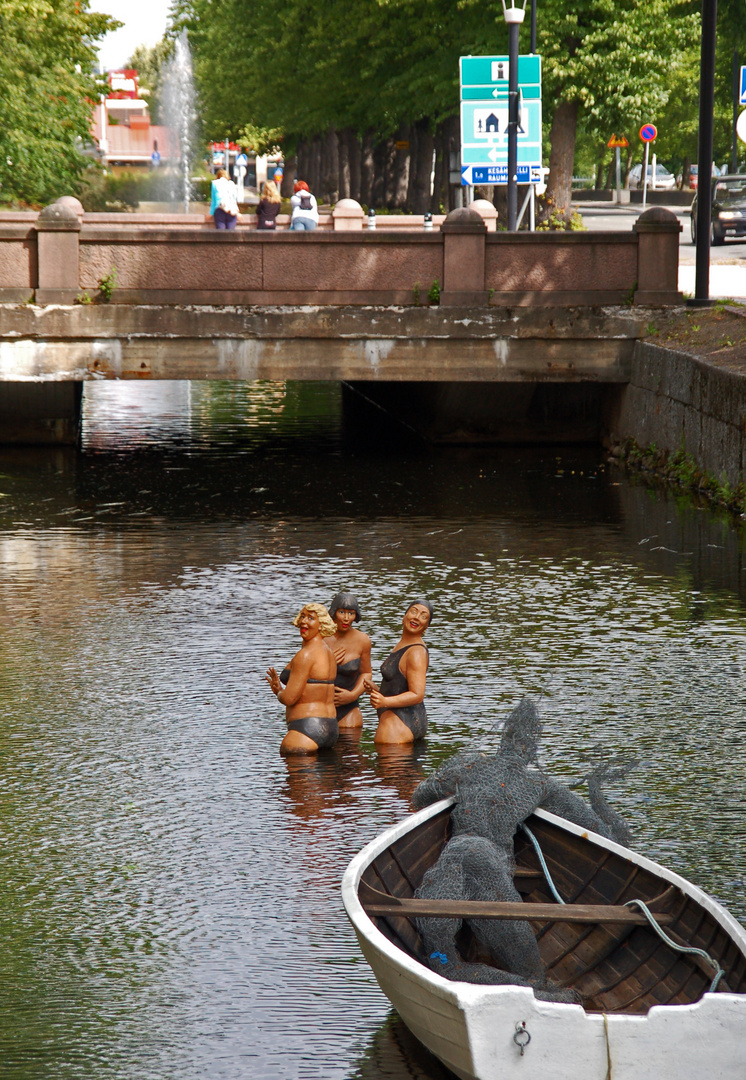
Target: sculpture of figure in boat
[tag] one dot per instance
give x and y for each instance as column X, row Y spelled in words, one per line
column 308, row 693
column 494, row 794
column 400, row 699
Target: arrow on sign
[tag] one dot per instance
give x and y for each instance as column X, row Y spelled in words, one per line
column 495, row 93
column 493, row 154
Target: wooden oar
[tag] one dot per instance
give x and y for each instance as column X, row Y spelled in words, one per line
column 378, row 903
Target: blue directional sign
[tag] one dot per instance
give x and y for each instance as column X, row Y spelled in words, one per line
column 484, row 118
column 498, row 174
column 742, row 91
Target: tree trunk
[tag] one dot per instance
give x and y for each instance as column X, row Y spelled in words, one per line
column 343, row 182
column 355, row 154
column 380, row 164
column 400, row 171
column 421, row 169
column 388, row 173
column 452, row 144
column 302, row 169
column 562, row 156
column 598, row 178
column 367, row 170
column 288, row 177
column 314, row 177
column 330, row 168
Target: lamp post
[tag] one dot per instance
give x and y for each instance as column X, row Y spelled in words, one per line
column 514, row 16
column 704, row 158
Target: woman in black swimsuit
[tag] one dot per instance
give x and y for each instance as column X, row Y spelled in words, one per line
column 351, row 650
column 400, row 698
column 309, row 691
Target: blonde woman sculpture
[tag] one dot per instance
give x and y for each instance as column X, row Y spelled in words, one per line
column 308, row 690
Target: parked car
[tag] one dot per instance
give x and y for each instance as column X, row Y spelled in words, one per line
column 728, row 215
column 664, row 180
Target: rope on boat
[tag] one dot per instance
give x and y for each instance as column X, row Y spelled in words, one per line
column 679, row 948
column 643, row 908
column 542, row 862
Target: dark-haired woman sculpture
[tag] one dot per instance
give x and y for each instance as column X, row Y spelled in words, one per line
column 308, row 695
column 351, row 650
column 400, row 697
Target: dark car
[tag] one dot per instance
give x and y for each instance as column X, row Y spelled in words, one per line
column 728, row 209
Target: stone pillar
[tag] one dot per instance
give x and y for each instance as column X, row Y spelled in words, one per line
column 657, row 258
column 348, row 216
column 58, row 232
column 464, row 234
column 40, row 414
column 487, row 212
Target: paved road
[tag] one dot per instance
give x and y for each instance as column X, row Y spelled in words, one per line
column 727, row 262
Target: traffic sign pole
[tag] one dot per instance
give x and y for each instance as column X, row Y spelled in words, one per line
column 704, row 162
column 645, row 176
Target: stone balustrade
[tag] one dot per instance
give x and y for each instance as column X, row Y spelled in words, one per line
column 61, row 254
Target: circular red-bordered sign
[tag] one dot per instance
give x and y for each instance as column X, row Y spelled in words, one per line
column 648, row 132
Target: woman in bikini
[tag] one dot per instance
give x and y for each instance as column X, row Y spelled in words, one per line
column 308, row 694
column 400, row 697
column 351, row 650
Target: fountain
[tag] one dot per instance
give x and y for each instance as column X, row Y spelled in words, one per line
column 178, row 109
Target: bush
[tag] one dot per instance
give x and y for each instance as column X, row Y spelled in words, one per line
column 123, row 192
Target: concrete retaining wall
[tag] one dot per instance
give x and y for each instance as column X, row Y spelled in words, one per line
column 61, row 253
column 679, row 403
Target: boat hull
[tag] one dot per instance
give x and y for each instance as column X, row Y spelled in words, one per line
column 471, row 1028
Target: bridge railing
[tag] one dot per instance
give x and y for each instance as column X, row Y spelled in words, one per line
column 61, row 256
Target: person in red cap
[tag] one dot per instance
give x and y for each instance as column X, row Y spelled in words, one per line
column 305, row 212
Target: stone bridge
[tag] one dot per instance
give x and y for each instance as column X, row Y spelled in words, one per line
column 522, row 314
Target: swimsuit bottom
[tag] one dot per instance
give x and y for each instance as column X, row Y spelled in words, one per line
column 343, row 710
column 412, row 716
column 322, row 730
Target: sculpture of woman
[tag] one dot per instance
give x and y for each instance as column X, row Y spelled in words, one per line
column 351, row 650
column 400, row 697
column 308, row 694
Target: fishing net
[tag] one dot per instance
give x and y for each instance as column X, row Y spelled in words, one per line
column 494, row 794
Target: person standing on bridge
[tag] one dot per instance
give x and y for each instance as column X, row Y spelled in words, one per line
column 305, row 210
column 224, row 201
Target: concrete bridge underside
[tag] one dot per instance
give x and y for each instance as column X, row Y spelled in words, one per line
column 463, row 374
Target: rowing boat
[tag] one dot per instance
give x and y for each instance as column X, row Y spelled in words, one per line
column 648, row 1010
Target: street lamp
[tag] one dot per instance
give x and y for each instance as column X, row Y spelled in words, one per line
column 514, row 15
column 704, row 157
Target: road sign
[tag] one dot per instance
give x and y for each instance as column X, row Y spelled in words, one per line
column 742, row 91
column 484, row 133
column 617, row 140
column 741, row 127
column 498, row 174
column 648, row 132
column 485, row 78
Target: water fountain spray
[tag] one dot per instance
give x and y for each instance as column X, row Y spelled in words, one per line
column 179, row 112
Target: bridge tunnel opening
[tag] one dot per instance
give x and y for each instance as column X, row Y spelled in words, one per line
column 464, row 413
column 438, row 412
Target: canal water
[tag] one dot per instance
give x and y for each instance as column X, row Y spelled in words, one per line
column 170, row 885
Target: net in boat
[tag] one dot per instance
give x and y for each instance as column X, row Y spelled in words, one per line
column 494, row 794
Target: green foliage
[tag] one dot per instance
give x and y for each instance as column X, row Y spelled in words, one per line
column 433, row 293
column 47, row 88
column 682, row 469
column 260, row 140
column 107, row 285
column 117, row 192
column 416, row 293
column 83, row 298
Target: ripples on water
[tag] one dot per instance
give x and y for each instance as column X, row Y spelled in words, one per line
column 170, row 885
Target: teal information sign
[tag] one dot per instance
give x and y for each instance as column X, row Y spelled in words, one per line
column 486, row 77
column 484, row 118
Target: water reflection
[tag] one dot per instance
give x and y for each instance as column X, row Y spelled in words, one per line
column 172, row 885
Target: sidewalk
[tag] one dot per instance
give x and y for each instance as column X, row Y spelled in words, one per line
column 726, row 280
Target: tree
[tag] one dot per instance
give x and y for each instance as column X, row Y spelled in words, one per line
column 47, row 88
